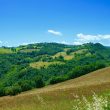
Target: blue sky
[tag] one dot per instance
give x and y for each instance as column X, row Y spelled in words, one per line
column 63, row 21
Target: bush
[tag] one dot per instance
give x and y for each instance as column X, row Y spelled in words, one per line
column 25, row 85
column 38, row 82
column 57, row 79
column 82, row 70
column 12, row 90
column 2, row 93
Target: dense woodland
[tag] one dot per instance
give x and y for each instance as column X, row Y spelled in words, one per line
column 17, row 74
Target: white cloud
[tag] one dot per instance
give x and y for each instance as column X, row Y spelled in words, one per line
column 0, row 42
column 26, row 43
column 85, row 38
column 4, row 43
column 77, row 43
column 55, row 32
column 64, row 42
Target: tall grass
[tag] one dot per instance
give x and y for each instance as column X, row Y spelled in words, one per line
column 50, row 102
column 96, row 103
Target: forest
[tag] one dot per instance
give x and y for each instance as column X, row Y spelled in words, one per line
column 37, row 65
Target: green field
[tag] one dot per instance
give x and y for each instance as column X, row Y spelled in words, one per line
column 5, row 51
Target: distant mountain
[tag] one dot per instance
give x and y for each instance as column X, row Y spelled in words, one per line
column 35, row 65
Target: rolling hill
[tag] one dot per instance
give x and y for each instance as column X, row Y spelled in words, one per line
column 32, row 66
column 95, row 81
column 59, row 96
column 30, row 73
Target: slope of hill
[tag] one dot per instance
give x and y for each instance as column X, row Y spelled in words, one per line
column 60, row 96
column 95, row 81
column 36, row 65
column 5, row 51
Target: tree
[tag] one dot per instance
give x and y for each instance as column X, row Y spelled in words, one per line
column 12, row 90
column 57, row 79
column 38, row 82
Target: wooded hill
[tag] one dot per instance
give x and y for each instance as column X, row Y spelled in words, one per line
column 36, row 65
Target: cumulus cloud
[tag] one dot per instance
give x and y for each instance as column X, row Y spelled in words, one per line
column 85, row 38
column 55, row 32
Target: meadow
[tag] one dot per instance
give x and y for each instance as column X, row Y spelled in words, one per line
column 89, row 92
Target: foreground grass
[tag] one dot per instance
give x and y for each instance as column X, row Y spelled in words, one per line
column 96, row 103
column 44, row 102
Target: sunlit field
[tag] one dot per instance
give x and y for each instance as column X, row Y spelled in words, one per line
column 91, row 94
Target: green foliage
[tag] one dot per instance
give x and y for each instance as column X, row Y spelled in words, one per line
column 82, row 70
column 57, row 79
column 38, row 82
column 71, row 50
column 25, row 85
column 16, row 74
column 12, row 90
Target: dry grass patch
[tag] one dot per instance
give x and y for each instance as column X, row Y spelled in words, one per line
column 44, row 64
column 66, row 57
column 71, row 55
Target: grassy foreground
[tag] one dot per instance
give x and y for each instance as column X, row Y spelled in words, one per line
column 76, row 94
column 56, row 102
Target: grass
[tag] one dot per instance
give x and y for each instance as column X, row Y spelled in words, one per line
column 28, row 50
column 68, row 95
column 56, row 102
column 5, row 51
column 71, row 55
column 43, row 64
column 66, row 57
column 96, row 103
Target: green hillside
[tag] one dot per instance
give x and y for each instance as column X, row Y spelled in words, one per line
column 5, row 51
column 36, row 65
column 65, row 95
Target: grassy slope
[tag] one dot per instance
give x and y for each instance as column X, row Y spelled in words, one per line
column 5, row 51
column 40, row 64
column 95, row 79
column 60, row 96
column 70, row 56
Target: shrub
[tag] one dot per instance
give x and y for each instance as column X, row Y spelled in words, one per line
column 25, row 85
column 12, row 90
column 57, row 79
column 38, row 82
column 82, row 70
